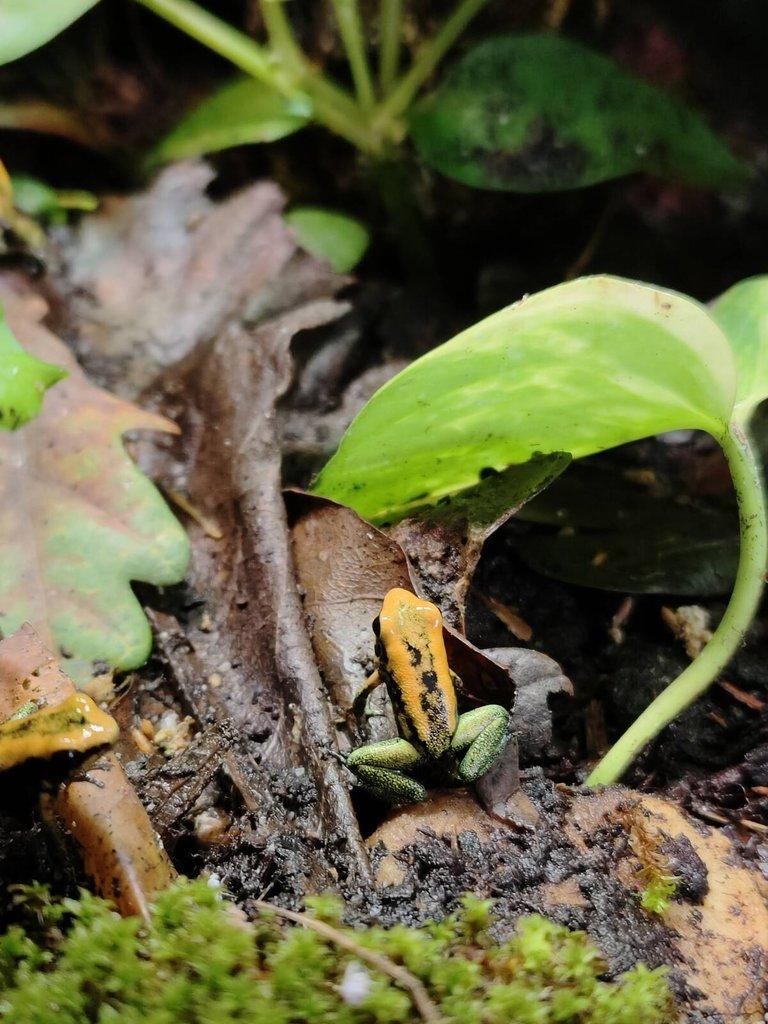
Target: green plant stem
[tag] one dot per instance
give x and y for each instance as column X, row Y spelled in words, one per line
column 430, row 55
column 284, row 44
column 281, row 35
column 353, row 38
column 701, row 673
column 328, row 104
column 390, row 33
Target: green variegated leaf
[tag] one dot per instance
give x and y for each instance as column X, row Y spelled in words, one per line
column 27, row 24
column 578, row 368
column 742, row 312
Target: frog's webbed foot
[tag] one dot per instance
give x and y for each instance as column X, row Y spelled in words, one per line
column 481, row 736
column 381, row 769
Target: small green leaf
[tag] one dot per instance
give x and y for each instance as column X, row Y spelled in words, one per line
column 335, row 237
column 36, row 199
column 742, row 312
column 23, row 380
column 579, row 368
column 240, row 112
column 539, row 113
column 27, row 24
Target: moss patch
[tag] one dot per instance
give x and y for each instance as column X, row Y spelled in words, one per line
column 76, row 961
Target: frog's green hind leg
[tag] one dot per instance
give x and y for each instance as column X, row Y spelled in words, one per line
column 482, row 733
column 381, row 767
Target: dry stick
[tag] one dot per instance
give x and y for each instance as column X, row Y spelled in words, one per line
column 381, row 963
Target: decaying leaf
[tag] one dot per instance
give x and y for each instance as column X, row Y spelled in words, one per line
column 245, row 666
column 720, row 922
column 96, row 806
column 78, row 521
column 155, row 274
column 41, row 714
column 345, row 567
column 539, row 679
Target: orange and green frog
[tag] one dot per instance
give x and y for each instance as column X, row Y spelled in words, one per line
column 436, row 743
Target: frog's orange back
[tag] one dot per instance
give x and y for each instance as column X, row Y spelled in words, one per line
column 414, row 666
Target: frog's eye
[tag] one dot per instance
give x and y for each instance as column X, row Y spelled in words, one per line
column 376, row 627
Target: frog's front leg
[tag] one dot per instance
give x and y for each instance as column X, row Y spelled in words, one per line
column 381, row 769
column 482, row 733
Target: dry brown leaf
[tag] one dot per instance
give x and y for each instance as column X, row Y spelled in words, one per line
column 345, row 567
column 155, row 274
column 722, row 935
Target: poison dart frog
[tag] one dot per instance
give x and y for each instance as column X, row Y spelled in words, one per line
column 435, row 741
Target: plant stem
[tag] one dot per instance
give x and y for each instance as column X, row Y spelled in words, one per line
column 698, row 676
column 285, row 46
column 225, row 40
column 329, row 104
column 430, row 55
column 353, row 38
column 390, row 32
column 281, row 35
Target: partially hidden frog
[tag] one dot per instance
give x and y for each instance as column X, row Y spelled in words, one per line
column 436, row 743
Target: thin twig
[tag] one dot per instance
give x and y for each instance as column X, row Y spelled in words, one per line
column 398, row 973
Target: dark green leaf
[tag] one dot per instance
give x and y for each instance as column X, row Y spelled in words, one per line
column 615, row 535
column 538, row 113
column 335, row 237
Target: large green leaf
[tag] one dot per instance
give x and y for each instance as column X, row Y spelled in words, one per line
column 578, row 368
column 27, row 24
column 240, row 112
column 23, row 380
column 538, row 113
column 742, row 312
column 336, row 237
column 78, row 520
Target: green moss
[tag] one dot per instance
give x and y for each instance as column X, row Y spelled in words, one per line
column 659, row 890
column 77, row 962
